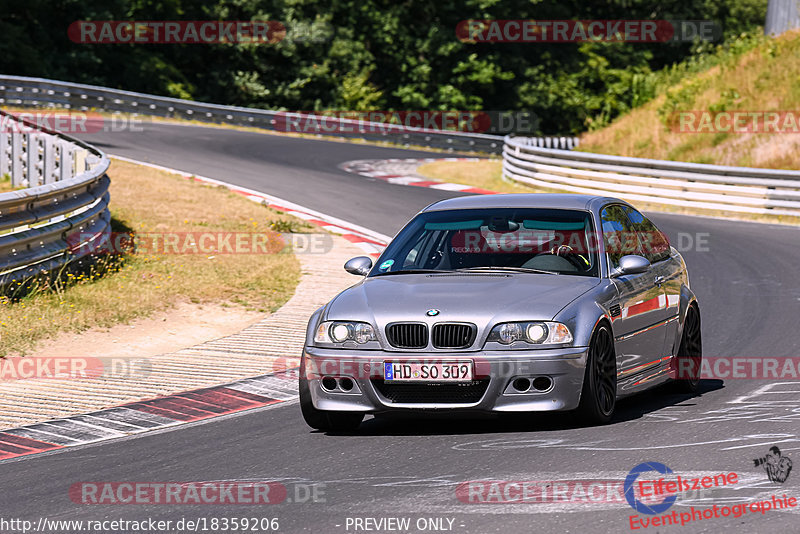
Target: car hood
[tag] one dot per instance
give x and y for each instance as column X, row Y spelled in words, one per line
column 480, row 298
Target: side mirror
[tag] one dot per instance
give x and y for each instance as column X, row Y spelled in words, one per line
column 360, row 265
column 632, row 264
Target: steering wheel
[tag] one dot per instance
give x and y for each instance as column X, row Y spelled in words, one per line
column 434, row 259
column 569, row 254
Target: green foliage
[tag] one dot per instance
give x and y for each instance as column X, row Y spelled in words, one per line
column 383, row 54
column 680, row 87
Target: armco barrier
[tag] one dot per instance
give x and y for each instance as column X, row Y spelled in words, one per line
column 39, row 92
column 715, row 187
column 65, row 191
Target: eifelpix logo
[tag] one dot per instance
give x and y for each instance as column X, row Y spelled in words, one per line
column 629, row 489
column 777, row 466
column 657, row 496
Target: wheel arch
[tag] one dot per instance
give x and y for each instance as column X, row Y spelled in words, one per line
column 688, row 299
column 582, row 317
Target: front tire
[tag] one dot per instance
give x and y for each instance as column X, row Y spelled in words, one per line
column 690, row 354
column 324, row 420
column 599, row 393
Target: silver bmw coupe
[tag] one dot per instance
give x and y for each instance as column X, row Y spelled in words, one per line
column 505, row 303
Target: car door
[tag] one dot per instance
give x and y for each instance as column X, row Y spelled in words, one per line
column 667, row 270
column 638, row 328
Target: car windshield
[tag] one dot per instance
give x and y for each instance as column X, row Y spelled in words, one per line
column 551, row 241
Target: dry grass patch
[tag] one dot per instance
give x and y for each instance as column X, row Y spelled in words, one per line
column 766, row 78
column 148, row 200
column 5, row 184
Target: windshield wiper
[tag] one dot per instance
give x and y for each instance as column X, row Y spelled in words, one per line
column 512, row 269
column 410, row 271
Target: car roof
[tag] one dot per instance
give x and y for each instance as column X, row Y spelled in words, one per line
column 523, row 200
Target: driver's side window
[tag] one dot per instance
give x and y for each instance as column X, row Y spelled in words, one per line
column 619, row 236
column 654, row 242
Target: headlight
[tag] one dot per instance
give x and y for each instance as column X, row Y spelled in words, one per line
column 341, row 331
column 535, row 332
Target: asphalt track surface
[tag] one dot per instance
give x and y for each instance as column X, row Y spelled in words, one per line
column 746, row 281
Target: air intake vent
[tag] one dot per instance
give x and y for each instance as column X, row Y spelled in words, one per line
column 453, row 335
column 416, row 393
column 484, row 274
column 407, row 335
column 615, row 310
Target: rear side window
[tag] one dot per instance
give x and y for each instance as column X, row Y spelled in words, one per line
column 619, row 235
column 653, row 241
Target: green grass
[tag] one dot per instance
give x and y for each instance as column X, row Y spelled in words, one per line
column 5, row 183
column 760, row 74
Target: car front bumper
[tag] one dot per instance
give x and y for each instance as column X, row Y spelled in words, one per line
column 492, row 390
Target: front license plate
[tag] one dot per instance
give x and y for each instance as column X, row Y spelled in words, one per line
column 460, row 371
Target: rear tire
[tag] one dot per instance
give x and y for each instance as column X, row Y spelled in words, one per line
column 599, row 392
column 689, row 359
column 324, row 420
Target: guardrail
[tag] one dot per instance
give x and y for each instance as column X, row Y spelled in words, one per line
column 782, row 15
column 65, row 198
column 715, row 187
column 66, row 189
column 39, row 92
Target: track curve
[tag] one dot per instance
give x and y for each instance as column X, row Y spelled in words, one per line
column 750, row 301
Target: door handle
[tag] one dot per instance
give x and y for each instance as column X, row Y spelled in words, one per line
column 659, row 280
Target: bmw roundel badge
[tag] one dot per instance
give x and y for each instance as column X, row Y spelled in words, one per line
column 432, row 313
